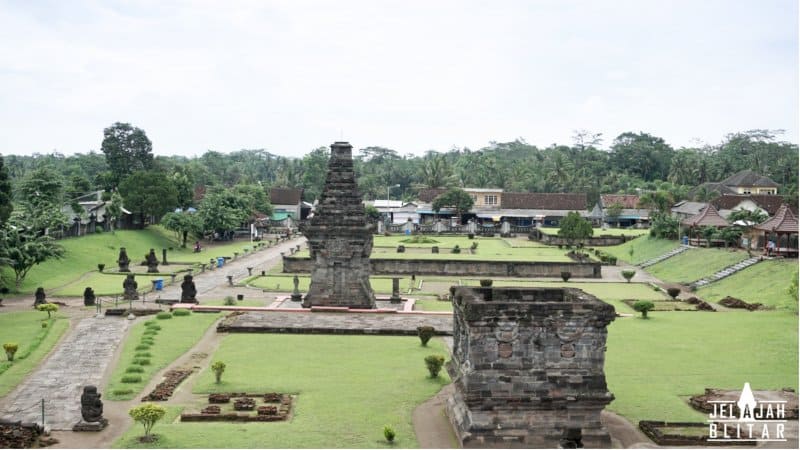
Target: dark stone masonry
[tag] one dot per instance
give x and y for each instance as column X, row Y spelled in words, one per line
column 339, row 239
column 527, row 367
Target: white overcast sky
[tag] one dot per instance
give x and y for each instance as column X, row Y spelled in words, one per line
column 290, row 76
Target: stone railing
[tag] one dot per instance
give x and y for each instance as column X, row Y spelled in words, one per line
column 605, row 240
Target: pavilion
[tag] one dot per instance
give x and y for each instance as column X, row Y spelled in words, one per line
column 783, row 225
column 708, row 217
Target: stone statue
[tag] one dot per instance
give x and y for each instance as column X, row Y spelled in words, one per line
column 91, row 411
column 188, row 290
column 39, row 297
column 152, row 262
column 123, row 260
column 130, row 285
column 296, row 295
column 88, row 297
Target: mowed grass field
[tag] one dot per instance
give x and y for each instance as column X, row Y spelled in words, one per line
column 766, row 282
column 695, row 264
column 84, row 253
column 25, row 329
column 633, row 232
column 654, row 365
column 644, row 248
column 347, row 388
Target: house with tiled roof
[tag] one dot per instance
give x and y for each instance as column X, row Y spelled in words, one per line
column 630, row 214
column 287, row 205
column 768, row 204
column 745, row 182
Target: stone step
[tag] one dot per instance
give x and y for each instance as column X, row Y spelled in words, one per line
column 726, row 272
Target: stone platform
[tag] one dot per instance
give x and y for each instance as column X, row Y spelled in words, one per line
column 396, row 324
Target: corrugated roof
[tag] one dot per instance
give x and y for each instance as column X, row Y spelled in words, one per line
column 784, row 221
column 708, row 217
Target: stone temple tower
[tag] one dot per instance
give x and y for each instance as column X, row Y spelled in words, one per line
column 340, row 240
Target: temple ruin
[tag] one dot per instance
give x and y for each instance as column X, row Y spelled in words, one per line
column 527, row 367
column 339, row 239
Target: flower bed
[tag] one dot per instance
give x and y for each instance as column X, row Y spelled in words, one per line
column 166, row 388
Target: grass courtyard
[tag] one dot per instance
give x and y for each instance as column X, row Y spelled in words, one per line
column 766, row 282
column 347, row 387
column 695, row 264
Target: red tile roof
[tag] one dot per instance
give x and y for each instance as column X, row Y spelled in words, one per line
column 285, row 196
column 552, row 201
column 784, row 221
column 708, row 217
column 627, row 201
column 769, row 203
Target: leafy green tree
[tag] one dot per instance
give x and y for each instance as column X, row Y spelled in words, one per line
column 664, row 226
column 21, row 250
column 644, row 306
column 613, row 212
column 114, row 210
column 43, row 185
column 730, row 235
column 222, row 210
column 574, row 228
column 256, row 197
column 372, row 213
column 436, row 172
column 455, row 198
column 218, row 368
column 148, row 414
column 643, row 155
column 148, row 193
column 127, row 149
column 49, row 308
column 183, row 224
column 660, row 201
column 5, row 194
column 316, row 168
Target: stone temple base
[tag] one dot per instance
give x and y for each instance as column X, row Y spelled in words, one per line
column 90, row 426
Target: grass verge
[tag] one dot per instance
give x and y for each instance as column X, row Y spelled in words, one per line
column 35, row 343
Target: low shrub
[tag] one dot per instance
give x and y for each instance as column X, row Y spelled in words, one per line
column 134, row 369
column 100, row 267
column 486, row 282
column 150, row 332
column 673, row 292
column 470, row 235
column 455, row 249
column 218, row 368
column 628, row 274
column 150, row 323
column 425, row 334
column 147, row 341
column 229, row 301
column 474, row 246
column 401, row 249
column 566, row 276
column 141, row 361
column 389, row 433
column 434, row 364
column 643, row 306
column 181, row 312
column 131, row 378
column 163, row 315
column 11, row 349
column 142, row 347
column 122, row 391
column 142, row 355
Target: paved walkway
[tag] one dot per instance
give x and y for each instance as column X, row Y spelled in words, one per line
column 79, row 360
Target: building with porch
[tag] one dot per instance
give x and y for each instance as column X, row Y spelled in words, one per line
column 781, row 231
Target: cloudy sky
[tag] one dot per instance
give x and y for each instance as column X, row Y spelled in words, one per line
column 290, row 76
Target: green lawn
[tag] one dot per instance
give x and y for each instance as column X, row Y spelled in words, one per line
column 603, row 291
column 177, row 335
column 285, row 283
column 348, row 388
column 432, row 305
column 695, row 264
column 653, row 365
column 84, row 253
column 766, row 282
column 245, row 302
column 35, row 342
column 644, row 248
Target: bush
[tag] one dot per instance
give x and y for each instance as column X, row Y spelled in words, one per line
column 49, row 308
column 122, row 391
column 141, row 361
column 456, row 249
column 474, row 246
column 163, row 315
column 643, row 306
column 673, row 292
column 151, row 323
column 150, row 332
column 134, row 369
column 100, row 267
column 229, row 301
column 628, row 274
column 11, row 349
column 486, row 282
column 181, row 312
column 388, row 433
column 147, row 414
column 401, row 249
column 434, row 364
column 566, row 276
column 131, row 378
column 142, row 347
column 218, row 367
column 425, row 334
column 147, row 341
column 142, row 355
column 470, row 235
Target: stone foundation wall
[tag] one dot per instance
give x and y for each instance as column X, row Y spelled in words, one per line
column 526, row 269
column 527, row 367
column 605, row 240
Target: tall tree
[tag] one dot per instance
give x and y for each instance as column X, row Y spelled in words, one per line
column 455, row 198
column 127, row 150
column 5, row 194
column 574, row 228
column 22, row 248
column 148, row 193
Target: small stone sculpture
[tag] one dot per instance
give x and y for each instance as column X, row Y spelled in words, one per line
column 123, row 260
column 296, row 295
column 395, row 298
column 88, row 297
column 39, row 297
column 130, row 285
column 91, row 411
column 188, row 290
column 152, row 262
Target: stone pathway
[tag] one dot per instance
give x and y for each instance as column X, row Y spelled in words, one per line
column 726, row 272
column 335, row 323
column 80, row 359
column 660, row 258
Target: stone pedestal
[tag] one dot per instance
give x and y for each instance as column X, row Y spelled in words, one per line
column 528, row 367
column 339, row 239
column 90, row 426
column 395, row 298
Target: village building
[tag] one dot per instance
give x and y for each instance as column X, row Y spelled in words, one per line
column 92, row 215
column 745, row 182
column 395, row 211
column 288, row 207
column 708, row 217
column 630, row 214
column 778, row 234
column 685, row 209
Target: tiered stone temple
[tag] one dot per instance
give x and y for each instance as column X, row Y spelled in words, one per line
column 528, row 368
column 339, row 239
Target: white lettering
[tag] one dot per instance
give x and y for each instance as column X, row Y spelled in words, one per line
column 765, row 432
column 712, row 430
column 779, row 431
column 780, row 410
column 750, row 431
column 769, row 411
